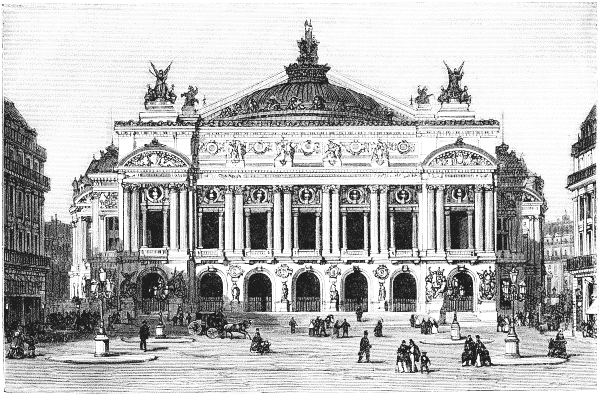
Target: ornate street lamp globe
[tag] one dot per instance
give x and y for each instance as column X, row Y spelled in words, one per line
column 522, row 288
column 102, row 275
column 94, row 286
column 513, row 275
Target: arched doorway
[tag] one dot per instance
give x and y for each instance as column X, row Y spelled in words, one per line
column 404, row 295
column 260, row 291
column 356, row 292
column 152, row 287
column 460, row 295
column 210, row 292
column 308, row 292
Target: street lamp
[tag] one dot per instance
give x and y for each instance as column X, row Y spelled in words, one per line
column 515, row 292
column 102, row 290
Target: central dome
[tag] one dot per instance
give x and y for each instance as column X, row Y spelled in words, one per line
column 307, row 95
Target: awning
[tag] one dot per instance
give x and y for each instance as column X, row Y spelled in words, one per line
column 593, row 309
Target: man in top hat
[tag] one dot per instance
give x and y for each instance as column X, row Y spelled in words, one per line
column 256, row 340
column 365, row 348
column 144, row 335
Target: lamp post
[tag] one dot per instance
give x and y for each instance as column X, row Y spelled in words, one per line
column 515, row 292
column 102, row 290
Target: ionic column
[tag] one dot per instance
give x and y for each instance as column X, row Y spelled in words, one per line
column 239, row 218
column 392, row 232
column 191, row 208
column 448, row 243
column 247, row 216
column 121, row 208
column 135, row 218
column 103, row 233
column 318, row 232
column 144, row 226
column 127, row 219
column 439, row 218
column 374, row 224
column 222, row 230
column 165, row 227
column 415, row 229
column 287, row 220
column 366, row 231
column 96, row 223
column 277, row 219
column 173, row 218
column 470, row 228
column 228, row 217
column 335, row 220
column 296, row 242
column 270, row 230
column 383, row 213
column 478, row 218
column 200, row 230
column 489, row 219
column 431, row 216
column 344, row 231
column 326, row 214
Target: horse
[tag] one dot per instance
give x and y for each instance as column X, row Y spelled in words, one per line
column 239, row 328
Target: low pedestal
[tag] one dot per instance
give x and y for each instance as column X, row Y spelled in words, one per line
column 434, row 307
column 331, row 307
column 236, row 307
column 101, row 342
column 160, row 331
column 283, row 306
column 455, row 331
column 511, row 346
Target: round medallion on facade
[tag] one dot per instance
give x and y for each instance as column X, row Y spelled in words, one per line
column 403, row 196
column 212, row 147
column 459, row 194
column 260, row 148
column 306, row 196
column 404, row 147
column 212, row 195
column 356, row 148
column 382, row 272
column 308, row 147
column 154, row 194
column 355, row 195
column 259, row 195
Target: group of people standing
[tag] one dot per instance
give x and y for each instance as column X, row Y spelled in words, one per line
column 410, row 358
column 475, row 353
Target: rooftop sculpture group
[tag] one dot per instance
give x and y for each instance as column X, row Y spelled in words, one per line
column 161, row 93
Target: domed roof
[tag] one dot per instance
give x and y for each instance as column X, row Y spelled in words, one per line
column 307, row 92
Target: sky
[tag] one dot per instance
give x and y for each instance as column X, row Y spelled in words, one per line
column 72, row 70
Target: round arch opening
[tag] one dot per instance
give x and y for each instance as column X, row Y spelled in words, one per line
column 404, row 288
column 356, row 292
column 260, row 293
column 151, row 286
column 210, row 292
column 308, row 292
column 460, row 298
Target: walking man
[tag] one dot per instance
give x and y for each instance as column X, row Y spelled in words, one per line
column 345, row 325
column 365, row 348
column 359, row 313
column 292, row 325
column 144, row 335
column 403, row 359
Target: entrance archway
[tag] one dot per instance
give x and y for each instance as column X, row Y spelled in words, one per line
column 356, row 292
column 404, row 288
column 308, row 292
column 460, row 297
column 210, row 292
column 260, row 292
column 151, row 285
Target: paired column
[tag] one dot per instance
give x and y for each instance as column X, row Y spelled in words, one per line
column 431, row 216
column 165, row 227
column 383, row 212
column 448, row 240
column 366, row 231
column 489, row 219
column 317, row 232
column 228, row 217
column 344, row 231
column 326, row 214
column 335, row 220
column 103, row 233
column 392, row 233
column 470, row 227
column 135, row 218
column 191, row 209
column 296, row 241
column 239, row 219
column 287, row 220
column 121, row 208
column 270, row 230
column 95, row 223
column 277, row 219
column 247, row 216
column 144, row 226
column 374, row 221
column 199, row 230
column 439, row 223
column 127, row 219
column 478, row 218
column 222, row 230
column 173, row 218
column 415, row 230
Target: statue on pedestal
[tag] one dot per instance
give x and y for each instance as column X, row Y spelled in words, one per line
column 423, row 97
column 190, row 98
column 454, row 92
column 161, row 90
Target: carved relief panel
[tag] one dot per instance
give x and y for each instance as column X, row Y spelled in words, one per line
column 404, row 195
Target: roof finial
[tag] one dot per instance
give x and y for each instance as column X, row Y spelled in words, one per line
column 502, row 130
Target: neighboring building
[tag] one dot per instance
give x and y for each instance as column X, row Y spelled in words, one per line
column 558, row 247
column 58, row 247
column 24, row 186
column 582, row 184
column 308, row 189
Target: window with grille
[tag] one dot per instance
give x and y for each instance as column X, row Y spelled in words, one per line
column 502, row 234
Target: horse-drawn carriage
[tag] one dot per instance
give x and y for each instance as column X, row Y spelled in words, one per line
column 214, row 325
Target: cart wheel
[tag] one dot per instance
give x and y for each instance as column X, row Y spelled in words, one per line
column 212, row 333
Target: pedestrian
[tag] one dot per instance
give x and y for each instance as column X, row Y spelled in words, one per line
column 336, row 329
column 412, row 321
column 317, row 329
column 311, row 328
column 337, row 300
column 365, row 348
column 188, row 318
column 292, row 325
column 144, row 335
column 174, row 319
column 359, row 313
column 322, row 330
column 425, row 362
column 423, row 327
column 483, row 355
column 415, row 355
column 345, row 325
column 434, row 327
column 379, row 329
column 403, row 359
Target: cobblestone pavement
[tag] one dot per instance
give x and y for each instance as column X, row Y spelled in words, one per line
column 300, row 363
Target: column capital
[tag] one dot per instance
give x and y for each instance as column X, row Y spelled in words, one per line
column 247, row 212
column 287, row 189
column 373, row 188
column 488, row 187
column 327, row 188
column 276, row 188
column 173, row 188
column 384, row 188
column 238, row 189
column 318, row 214
column 478, row 188
column 432, row 187
column 228, row 189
